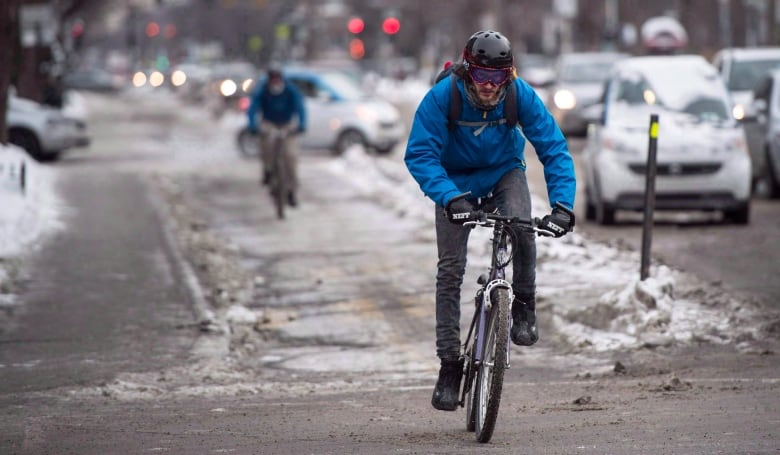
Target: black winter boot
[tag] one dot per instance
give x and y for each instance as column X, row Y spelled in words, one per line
column 447, row 391
column 524, row 330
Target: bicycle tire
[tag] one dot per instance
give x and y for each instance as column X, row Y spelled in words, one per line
column 490, row 377
column 471, row 383
column 280, row 170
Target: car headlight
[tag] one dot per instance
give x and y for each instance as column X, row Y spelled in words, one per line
column 139, row 79
column 227, row 87
column 156, row 79
column 366, row 114
column 620, row 147
column 564, row 100
column 55, row 121
column 178, row 78
column 246, row 86
column 738, row 111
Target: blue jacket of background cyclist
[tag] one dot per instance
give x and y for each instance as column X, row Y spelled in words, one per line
column 447, row 163
column 278, row 109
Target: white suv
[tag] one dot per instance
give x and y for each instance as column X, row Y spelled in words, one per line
column 44, row 132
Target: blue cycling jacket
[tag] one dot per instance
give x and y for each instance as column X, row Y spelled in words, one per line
column 447, row 163
column 278, row 109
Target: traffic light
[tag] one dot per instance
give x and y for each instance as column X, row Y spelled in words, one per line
column 77, row 33
column 356, row 25
column 357, row 49
column 391, row 25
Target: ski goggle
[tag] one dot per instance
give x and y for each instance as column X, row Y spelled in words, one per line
column 482, row 75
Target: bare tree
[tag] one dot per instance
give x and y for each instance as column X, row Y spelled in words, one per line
column 9, row 56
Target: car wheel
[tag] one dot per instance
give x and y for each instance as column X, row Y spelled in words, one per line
column 347, row 139
column 772, row 178
column 385, row 150
column 27, row 141
column 740, row 215
column 604, row 213
column 590, row 206
column 247, row 143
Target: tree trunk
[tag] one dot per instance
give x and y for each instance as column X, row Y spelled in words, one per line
column 9, row 57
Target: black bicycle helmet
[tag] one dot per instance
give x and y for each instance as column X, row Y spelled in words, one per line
column 274, row 71
column 489, row 49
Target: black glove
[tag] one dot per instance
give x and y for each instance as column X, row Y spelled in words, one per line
column 458, row 210
column 559, row 222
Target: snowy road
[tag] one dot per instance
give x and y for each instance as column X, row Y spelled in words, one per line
column 328, row 315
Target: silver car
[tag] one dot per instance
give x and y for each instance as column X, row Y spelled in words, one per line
column 702, row 160
column 763, row 131
column 579, row 82
column 44, row 132
column 742, row 69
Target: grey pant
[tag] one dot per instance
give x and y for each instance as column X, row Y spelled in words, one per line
column 266, row 145
column 512, row 198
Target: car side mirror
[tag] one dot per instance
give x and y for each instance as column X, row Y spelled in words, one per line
column 755, row 111
column 594, row 113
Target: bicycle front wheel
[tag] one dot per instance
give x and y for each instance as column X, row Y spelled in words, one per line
column 280, row 170
column 490, row 376
column 470, row 385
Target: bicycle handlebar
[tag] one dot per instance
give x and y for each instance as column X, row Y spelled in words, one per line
column 489, row 219
column 485, row 219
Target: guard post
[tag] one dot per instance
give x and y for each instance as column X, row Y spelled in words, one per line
column 650, row 172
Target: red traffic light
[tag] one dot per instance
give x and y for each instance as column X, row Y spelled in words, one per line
column 77, row 29
column 356, row 25
column 391, row 25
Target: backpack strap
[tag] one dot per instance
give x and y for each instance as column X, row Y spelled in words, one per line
column 510, row 105
column 456, row 103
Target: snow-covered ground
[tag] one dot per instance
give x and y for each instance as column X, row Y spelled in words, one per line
column 620, row 311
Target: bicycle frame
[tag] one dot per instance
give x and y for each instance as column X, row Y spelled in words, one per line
column 496, row 278
column 276, row 138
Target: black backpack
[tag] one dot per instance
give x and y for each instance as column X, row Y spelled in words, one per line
column 456, row 104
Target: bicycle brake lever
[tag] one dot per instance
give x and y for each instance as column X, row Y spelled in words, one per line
column 541, row 232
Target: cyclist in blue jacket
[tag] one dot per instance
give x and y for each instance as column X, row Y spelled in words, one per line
column 484, row 154
column 278, row 102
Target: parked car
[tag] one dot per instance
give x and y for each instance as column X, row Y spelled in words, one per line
column 537, row 70
column 742, row 69
column 340, row 113
column 44, row 132
column 579, row 82
column 763, row 132
column 702, row 158
column 92, row 79
column 228, row 84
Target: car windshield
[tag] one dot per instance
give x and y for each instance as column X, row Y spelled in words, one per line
column 746, row 74
column 345, row 86
column 585, row 71
column 692, row 94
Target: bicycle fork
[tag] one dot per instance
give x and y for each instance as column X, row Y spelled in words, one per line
column 487, row 305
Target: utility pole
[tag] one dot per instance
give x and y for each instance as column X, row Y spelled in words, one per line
column 771, row 16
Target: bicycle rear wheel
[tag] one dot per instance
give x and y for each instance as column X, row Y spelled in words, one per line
column 490, row 376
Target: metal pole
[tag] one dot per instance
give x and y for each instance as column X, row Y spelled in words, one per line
column 23, row 177
column 650, row 172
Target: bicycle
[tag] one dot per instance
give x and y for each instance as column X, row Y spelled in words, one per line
column 279, row 183
column 486, row 349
